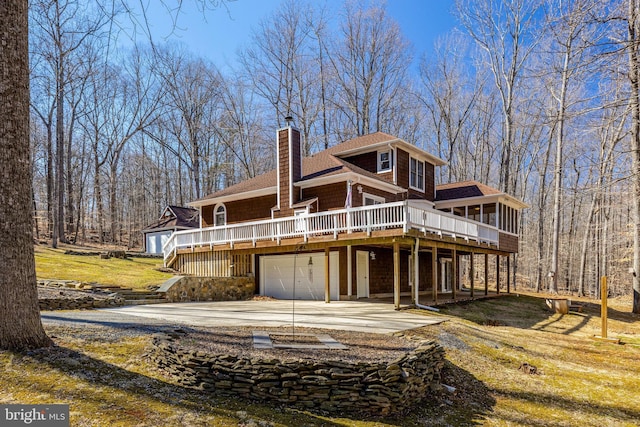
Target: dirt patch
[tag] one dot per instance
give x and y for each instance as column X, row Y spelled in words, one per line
column 361, row 347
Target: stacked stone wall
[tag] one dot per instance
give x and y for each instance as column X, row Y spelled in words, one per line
column 190, row 288
column 331, row 386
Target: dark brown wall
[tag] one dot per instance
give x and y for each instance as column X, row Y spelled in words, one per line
column 381, row 270
column 403, row 177
column 330, row 196
column 367, row 161
column 242, row 210
column 430, row 182
column 508, row 243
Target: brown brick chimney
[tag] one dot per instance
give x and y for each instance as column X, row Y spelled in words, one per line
column 289, row 168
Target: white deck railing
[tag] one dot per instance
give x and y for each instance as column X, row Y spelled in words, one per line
column 405, row 215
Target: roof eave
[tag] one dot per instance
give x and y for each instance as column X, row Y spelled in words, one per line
column 499, row 197
column 356, row 177
column 233, row 197
column 436, row 161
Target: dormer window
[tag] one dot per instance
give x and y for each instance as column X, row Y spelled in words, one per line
column 220, row 215
column 416, row 175
column 384, row 161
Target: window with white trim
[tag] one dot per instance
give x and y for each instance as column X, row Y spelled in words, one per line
column 416, row 174
column 220, row 215
column 370, row 200
column 384, row 161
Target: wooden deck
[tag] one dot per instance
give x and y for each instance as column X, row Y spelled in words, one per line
column 385, row 224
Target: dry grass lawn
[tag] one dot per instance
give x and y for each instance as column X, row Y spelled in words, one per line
column 137, row 273
column 580, row 381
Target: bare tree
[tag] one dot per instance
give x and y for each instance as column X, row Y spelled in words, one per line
column 503, row 29
column 370, row 65
column 450, row 98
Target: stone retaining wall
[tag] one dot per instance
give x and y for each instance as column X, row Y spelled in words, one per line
column 189, row 288
column 78, row 303
column 332, row 386
column 74, row 295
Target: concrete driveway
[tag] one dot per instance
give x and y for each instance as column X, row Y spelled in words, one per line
column 344, row 315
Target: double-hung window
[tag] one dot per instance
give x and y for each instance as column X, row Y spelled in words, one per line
column 416, row 174
column 370, row 200
column 384, row 161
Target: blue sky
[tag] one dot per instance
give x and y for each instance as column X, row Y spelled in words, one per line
column 218, row 34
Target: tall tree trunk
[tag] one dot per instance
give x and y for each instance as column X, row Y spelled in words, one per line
column 634, row 65
column 542, row 201
column 20, row 325
column 585, row 246
column 49, row 179
column 97, row 194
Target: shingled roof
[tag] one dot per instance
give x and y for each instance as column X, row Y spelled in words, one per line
column 176, row 217
column 324, row 163
column 463, row 190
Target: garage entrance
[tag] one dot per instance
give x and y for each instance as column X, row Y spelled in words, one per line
column 277, row 276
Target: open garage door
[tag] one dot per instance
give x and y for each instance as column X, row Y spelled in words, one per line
column 277, row 276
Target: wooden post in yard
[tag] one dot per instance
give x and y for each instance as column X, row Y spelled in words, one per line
column 603, row 313
column 327, row 278
column 396, row 275
column 603, row 306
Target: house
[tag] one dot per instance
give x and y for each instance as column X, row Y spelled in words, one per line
column 360, row 219
column 173, row 218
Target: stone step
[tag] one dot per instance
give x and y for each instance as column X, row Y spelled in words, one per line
column 141, row 296
column 144, row 301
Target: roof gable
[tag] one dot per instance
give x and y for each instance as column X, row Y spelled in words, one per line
column 176, row 217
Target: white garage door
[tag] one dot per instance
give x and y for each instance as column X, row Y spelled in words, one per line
column 277, row 276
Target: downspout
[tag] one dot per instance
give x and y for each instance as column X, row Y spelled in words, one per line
column 416, row 284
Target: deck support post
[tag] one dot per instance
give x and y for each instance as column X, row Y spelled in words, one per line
column 327, row 278
column 396, row 275
column 471, row 273
column 434, row 274
column 486, row 274
column 416, row 272
column 454, row 273
column 349, row 271
column 497, row 274
column 508, row 274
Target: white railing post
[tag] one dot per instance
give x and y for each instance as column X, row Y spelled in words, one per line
column 405, row 211
column 278, row 234
column 253, row 235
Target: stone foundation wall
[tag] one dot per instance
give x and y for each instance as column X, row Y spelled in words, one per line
column 188, row 288
column 331, row 386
